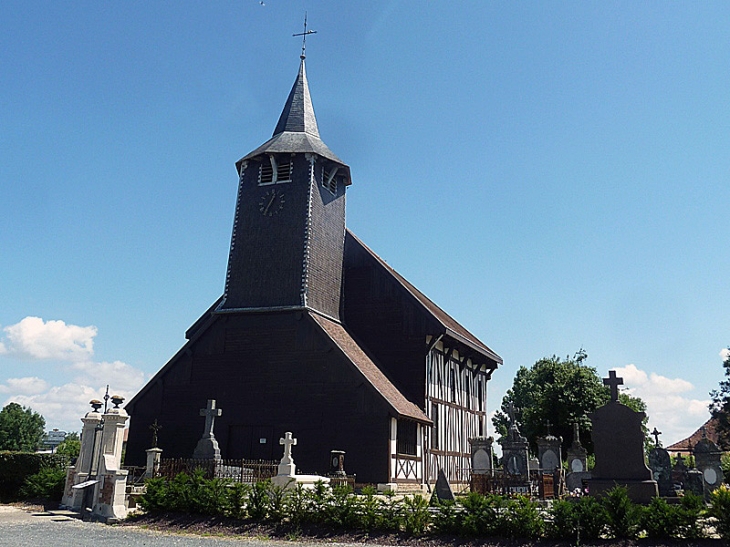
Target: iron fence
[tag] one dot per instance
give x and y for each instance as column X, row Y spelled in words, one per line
column 246, row 471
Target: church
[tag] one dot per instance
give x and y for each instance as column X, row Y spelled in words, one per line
column 317, row 335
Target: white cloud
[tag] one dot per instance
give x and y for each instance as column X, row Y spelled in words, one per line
column 25, row 386
column 37, row 339
column 669, row 404
column 63, row 405
column 118, row 375
column 725, row 354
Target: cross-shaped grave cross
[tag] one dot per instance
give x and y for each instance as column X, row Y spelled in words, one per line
column 511, row 412
column 656, row 434
column 613, row 382
column 210, row 413
column 287, row 441
column 548, row 424
column 155, row 427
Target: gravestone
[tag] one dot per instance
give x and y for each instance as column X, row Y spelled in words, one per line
column 287, row 477
column 515, row 457
column 443, row 491
column 661, row 467
column 207, row 448
column 481, row 455
column 618, row 440
column 707, row 458
column 686, row 479
column 549, row 452
column 337, row 463
column 577, row 463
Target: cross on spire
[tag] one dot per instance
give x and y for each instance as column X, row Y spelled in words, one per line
column 613, row 382
column 304, row 37
column 211, row 413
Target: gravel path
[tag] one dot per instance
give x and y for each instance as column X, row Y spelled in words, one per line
column 20, row 528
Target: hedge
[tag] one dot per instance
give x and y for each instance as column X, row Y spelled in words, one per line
column 15, row 467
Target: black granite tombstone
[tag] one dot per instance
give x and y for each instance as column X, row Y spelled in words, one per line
column 618, row 441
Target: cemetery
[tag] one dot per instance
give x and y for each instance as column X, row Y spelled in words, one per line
column 625, row 494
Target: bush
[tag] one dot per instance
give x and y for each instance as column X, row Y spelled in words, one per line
column 15, row 467
column 691, row 510
column 623, row 515
column 481, row 514
column 48, row 484
column 416, row 517
column 448, row 518
column 720, row 510
column 590, row 518
column 521, row 518
column 661, row 520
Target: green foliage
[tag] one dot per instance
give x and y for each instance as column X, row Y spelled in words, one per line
column 258, row 501
column 416, row 517
column 623, row 516
column 481, row 514
column 563, row 391
column 720, row 406
column 590, row 518
column 15, row 467
column 661, row 520
column 21, row 429
column 691, row 510
column 447, row 519
column 47, row 484
column 725, row 464
column 720, row 510
column 521, row 518
column 70, row 446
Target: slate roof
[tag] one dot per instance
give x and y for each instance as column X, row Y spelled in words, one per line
column 296, row 130
column 451, row 327
column 401, row 406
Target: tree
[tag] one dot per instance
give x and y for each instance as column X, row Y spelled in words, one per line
column 720, row 405
column 561, row 391
column 21, row 428
column 70, row 446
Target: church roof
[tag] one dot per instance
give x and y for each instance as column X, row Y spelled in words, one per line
column 372, row 373
column 688, row 444
column 296, row 130
column 451, row 327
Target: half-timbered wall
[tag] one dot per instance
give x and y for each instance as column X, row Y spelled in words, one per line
column 456, row 401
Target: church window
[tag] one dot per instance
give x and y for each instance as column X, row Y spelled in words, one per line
column 329, row 179
column 406, row 440
column 275, row 171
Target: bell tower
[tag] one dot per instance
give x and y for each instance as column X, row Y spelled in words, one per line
column 289, row 227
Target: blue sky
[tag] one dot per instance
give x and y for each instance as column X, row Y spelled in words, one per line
column 554, row 175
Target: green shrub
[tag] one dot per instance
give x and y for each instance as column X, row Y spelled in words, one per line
column 720, row 510
column 48, row 483
column 590, row 518
column 155, row 498
column 623, row 515
column 258, row 501
column 448, row 517
column 237, row 495
column 15, row 467
column 416, row 516
column 691, row 511
column 521, row 518
column 661, row 520
column 481, row 514
column 562, row 523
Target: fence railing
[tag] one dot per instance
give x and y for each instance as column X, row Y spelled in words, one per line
column 538, row 485
column 247, row 471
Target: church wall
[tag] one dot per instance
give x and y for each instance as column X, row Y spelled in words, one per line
column 387, row 323
column 269, row 373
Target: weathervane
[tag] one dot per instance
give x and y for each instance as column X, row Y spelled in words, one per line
column 304, row 36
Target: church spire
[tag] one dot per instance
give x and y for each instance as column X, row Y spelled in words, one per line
column 298, row 114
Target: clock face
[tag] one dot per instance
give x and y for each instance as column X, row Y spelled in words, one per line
column 271, row 203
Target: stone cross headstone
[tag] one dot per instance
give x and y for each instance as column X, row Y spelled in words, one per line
column 618, row 441
column 516, row 458
column 286, row 465
column 661, row 467
column 207, row 448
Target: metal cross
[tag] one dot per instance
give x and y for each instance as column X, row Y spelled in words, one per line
column 547, row 426
column 576, row 432
column 304, row 36
column 155, row 427
column 614, row 382
column 210, row 413
column 656, row 434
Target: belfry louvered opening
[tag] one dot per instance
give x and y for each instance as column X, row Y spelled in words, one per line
column 275, row 170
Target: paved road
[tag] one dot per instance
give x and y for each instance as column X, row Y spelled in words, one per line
column 22, row 529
